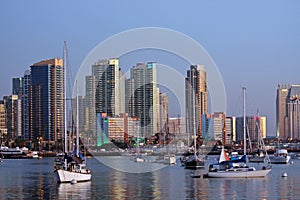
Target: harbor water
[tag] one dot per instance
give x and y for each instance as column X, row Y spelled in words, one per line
column 34, row 179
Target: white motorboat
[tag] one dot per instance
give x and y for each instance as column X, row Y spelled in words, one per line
column 280, row 157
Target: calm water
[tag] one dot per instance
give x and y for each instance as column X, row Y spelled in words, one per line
column 33, row 179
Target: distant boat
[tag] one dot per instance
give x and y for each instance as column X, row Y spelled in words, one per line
column 226, row 168
column 280, row 157
column 73, row 168
column 169, row 159
column 9, row 153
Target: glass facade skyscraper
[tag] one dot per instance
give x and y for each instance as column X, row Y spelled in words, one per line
column 47, row 115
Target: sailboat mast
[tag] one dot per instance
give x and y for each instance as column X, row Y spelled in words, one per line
column 77, row 121
column 244, row 118
column 65, row 95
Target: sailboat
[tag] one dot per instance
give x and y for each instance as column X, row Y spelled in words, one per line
column 73, row 168
column 225, row 168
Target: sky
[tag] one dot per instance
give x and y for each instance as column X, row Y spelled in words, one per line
column 255, row 44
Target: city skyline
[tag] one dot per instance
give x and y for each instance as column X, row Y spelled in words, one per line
column 254, row 44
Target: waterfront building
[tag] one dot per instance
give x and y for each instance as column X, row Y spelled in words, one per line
column 3, row 127
column 164, row 113
column 47, row 113
column 254, row 124
column 129, row 97
column 293, row 112
column 90, row 120
column 107, row 84
column 282, row 126
column 176, row 126
column 118, row 128
column 13, row 116
column 25, row 104
column 230, row 130
column 196, row 96
column 288, row 111
column 17, row 86
column 146, row 97
column 213, row 127
column 81, row 114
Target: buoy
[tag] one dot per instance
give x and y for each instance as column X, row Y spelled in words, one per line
column 284, row 174
column 73, row 181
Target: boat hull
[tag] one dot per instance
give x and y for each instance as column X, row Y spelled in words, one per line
column 64, row 176
column 280, row 160
column 238, row 174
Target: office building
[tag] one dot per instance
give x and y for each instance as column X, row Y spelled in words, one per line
column 255, row 127
column 146, row 97
column 25, row 104
column 288, row 111
column 196, row 96
column 47, row 93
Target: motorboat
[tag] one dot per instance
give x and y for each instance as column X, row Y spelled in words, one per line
column 280, row 157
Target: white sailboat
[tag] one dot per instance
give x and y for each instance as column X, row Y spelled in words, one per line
column 226, row 169
column 75, row 170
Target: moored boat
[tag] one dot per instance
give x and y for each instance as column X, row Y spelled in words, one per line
column 280, row 157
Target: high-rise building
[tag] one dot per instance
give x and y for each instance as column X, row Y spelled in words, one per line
column 81, row 113
column 107, row 84
column 288, row 111
column 90, row 109
column 17, row 86
column 13, row 116
column 129, row 97
column 281, row 111
column 25, row 104
column 47, row 111
column 293, row 112
column 146, row 97
column 196, row 95
column 3, row 127
column 164, row 113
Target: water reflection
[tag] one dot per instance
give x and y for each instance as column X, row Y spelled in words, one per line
column 74, row 191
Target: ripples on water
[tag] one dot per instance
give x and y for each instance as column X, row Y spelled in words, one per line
column 34, row 179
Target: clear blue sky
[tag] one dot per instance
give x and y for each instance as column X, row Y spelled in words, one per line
column 255, row 44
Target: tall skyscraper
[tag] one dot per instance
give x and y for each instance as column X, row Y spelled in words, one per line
column 196, row 95
column 25, row 103
column 13, row 116
column 47, row 115
column 146, row 97
column 281, row 111
column 164, row 113
column 288, row 111
column 90, row 124
column 17, row 86
column 293, row 112
column 129, row 97
column 107, row 83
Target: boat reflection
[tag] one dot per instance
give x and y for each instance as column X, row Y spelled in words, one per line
column 80, row 190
